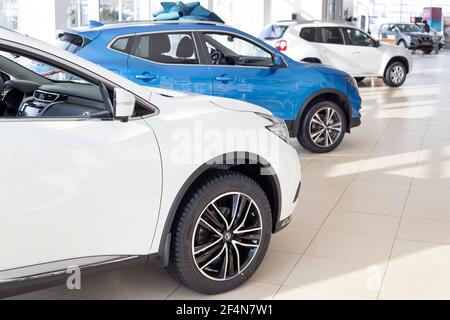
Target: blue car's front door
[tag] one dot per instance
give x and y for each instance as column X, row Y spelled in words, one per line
column 169, row 61
column 242, row 69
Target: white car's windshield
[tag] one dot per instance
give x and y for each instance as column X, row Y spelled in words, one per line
column 42, row 69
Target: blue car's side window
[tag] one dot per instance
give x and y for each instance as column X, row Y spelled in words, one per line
column 227, row 49
column 173, row 48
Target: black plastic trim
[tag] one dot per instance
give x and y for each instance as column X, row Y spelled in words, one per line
column 347, row 109
column 221, row 161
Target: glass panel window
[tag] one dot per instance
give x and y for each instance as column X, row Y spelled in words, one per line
column 46, row 96
column 129, row 10
column 331, row 35
column 175, row 48
column 309, row 34
column 9, row 13
column 122, row 44
column 273, row 32
column 356, row 37
column 226, row 49
column 109, row 10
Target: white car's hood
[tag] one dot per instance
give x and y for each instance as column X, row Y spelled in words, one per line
column 195, row 100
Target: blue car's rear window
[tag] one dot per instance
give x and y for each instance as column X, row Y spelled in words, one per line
column 273, row 32
column 71, row 42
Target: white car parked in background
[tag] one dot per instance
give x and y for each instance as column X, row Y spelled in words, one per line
column 342, row 46
column 99, row 171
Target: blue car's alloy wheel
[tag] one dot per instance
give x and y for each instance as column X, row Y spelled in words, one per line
column 323, row 127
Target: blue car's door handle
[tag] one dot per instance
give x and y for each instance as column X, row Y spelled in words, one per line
column 146, row 77
column 224, row 78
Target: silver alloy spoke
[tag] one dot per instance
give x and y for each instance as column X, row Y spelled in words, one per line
column 209, row 246
column 247, row 245
column 210, row 227
column 235, row 210
column 316, row 119
column 215, row 258
column 225, row 265
column 245, row 218
column 237, row 257
column 330, row 117
column 247, row 231
column 221, row 215
column 319, row 136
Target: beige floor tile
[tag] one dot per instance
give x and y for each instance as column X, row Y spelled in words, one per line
column 292, row 240
column 337, row 276
column 356, row 247
column 378, row 189
column 292, row 293
column 391, row 206
column 309, row 217
column 285, row 262
column 426, row 256
column 388, row 174
column 249, row 291
column 324, row 200
column 424, row 230
column 412, row 284
column 359, row 223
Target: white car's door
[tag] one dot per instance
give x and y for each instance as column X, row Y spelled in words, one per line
column 331, row 48
column 363, row 53
column 74, row 189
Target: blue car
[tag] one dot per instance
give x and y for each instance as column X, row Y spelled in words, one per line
column 320, row 104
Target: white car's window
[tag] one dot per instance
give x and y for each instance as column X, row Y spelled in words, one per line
column 41, row 69
column 355, row 37
column 331, row 35
column 175, row 48
column 308, row 34
column 227, row 49
column 33, row 89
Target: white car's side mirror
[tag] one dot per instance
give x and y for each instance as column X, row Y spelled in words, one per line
column 124, row 103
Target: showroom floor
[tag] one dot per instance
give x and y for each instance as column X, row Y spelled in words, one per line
column 373, row 220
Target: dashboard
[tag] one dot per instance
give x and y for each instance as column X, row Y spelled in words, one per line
column 27, row 99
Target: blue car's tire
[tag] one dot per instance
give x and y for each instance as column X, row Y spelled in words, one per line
column 323, row 127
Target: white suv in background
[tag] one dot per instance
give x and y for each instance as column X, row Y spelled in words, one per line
column 342, row 46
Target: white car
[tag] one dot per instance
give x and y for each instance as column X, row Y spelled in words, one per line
column 342, row 46
column 99, row 171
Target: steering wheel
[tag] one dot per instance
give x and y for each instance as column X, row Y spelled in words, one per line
column 216, row 57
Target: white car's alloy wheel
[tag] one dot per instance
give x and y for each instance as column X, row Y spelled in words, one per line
column 397, row 74
column 227, row 236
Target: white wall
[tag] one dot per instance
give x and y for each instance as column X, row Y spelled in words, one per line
column 309, row 9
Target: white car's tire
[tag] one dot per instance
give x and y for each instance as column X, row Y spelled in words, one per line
column 212, row 249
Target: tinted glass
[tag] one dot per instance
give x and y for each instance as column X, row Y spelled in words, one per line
column 225, row 49
column 331, row 35
column 408, row 27
column 309, row 34
column 122, row 44
column 70, row 42
column 273, row 32
column 176, row 48
column 356, row 37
